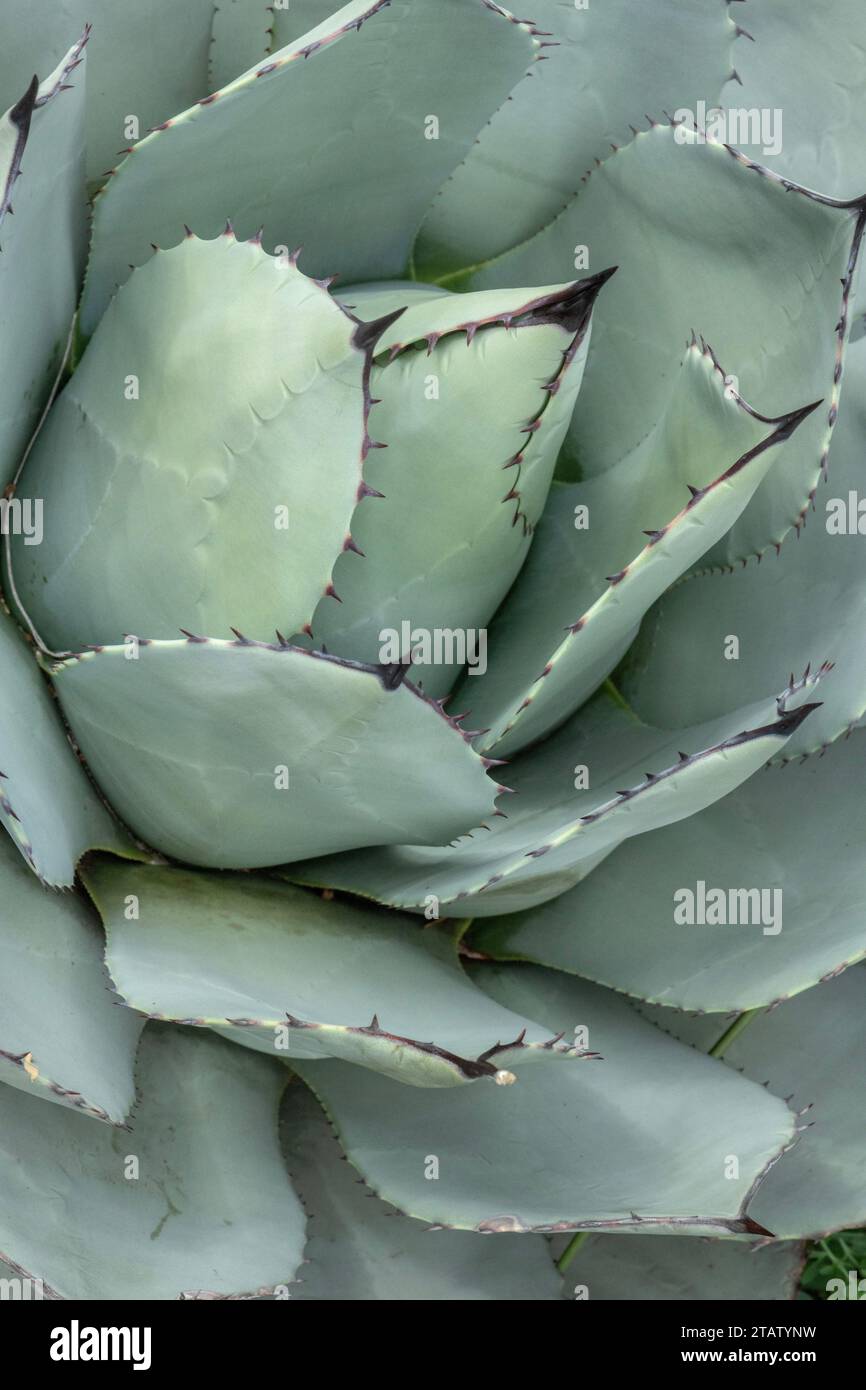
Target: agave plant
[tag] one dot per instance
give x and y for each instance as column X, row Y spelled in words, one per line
column 261, row 862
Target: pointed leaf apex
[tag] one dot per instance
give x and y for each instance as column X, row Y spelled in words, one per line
column 572, row 307
column 367, row 335
column 789, row 423
column 792, row 719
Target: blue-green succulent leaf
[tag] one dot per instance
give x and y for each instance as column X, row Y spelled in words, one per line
column 294, row 975
column 802, row 608
column 531, row 156
column 62, row 1036
column 801, row 75
column 473, row 427
column 790, row 834
column 240, row 39
column 591, row 573
column 193, row 1203
column 294, row 18
column 201, row 468
column 239, row 754
column 148, row 61
column 43, row 236
column 811, row 1051
column 339, row 141
column 603, row 778
column 670, row 1269
column 47, row 803
column 637, row 1141
column 359, row 1250
column 716, row 244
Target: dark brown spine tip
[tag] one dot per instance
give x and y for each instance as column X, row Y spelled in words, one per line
column 571, row 308
column 788, row 423
column 367, row 335
column 792, row 719
column 22, row 111
column 754, row 1228
column 392, row 674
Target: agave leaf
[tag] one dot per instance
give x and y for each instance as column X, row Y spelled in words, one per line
column 554, row 834
column 803, row 607
column 531, row 155
column 357, row 202
column 361, row 1251
column 713, row 243
column 810, row 1050
column 636, row 1141
column 247, row 956
column 187, row 477
column 292, row 20
column 804, row 66
column 796, row 831
column 240, row 38
column 43, row 244
column 238, row 754
column 46, row 801
column 592, row 574
column 149, row 61
column 206, row 1211
column 381, row 298
column 62, row 1036
column 473, row 427
column 626, row 1268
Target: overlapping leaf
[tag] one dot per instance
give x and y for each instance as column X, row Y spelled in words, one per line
column 640, row 1140
column 530, row 157
column 193, row 1202
column 360, row 1250
column 188, row 478
column 811, row 1050
column 329, row 141
column 631, row 1268
column 786, row 846
column 805, row 606
column 560, row 826
column 592, row 574
column 714, row 244
column 43, row 235
column 289, row 973
column 473, row 427
column 63, row 1037
column 149, row 60
column 47, row 803
column 802, row 89
column 239, row 754
column 240, row 37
